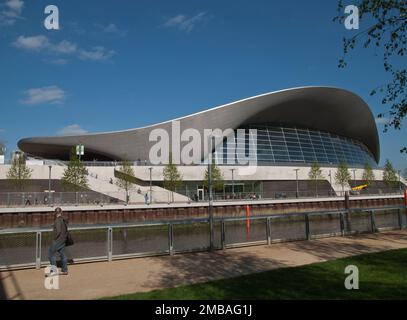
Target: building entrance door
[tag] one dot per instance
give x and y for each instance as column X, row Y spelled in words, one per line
column 201, row 194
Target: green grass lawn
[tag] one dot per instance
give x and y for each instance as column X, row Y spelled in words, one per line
column 381, row 276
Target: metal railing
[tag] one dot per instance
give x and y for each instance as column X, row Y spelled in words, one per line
column 280, row 195
column 29, row 199
column 27, row 248
column 26, row 199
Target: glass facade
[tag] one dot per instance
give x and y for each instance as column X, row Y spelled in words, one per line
column 289, row 144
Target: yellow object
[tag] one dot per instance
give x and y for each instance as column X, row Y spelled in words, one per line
column 363, row 186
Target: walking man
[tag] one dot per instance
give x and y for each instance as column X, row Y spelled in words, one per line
column 58, row 244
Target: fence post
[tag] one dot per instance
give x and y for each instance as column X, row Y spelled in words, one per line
column 110, row 244
column 223, row 235
column 400, row 219
column 38, row 250
column 373, row 221
column 268, row 230
column 307, row 231
column 170, row 239
column 342, row 222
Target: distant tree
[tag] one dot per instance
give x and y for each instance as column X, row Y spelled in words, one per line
column 19, row 174
column 368, row 176
column 172, row 177
column 125, row 180
column 387, row 31
column 389, row 174
column 2, row 148
column 315, row 174
column 74, row 177
column 342, row 175
column 217, row 179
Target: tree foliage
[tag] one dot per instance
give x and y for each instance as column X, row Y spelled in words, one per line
column 172, row 177
column 342, row 175
column 387, row 30
column 389, row 174
column 368, row 175
column 125, row 180
column 217, row 180
column 74, row 177
column 19, row 174
column 315, row 174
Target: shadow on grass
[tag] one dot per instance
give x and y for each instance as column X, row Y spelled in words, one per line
column 381, row 276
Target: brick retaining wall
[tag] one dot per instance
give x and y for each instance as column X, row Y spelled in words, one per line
column 104, row 216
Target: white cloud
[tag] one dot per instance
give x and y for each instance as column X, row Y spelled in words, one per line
column 44, row 95
column 64, row 47
column 59, row 62
column 34, row 43
column 112, row 29
column 73, row 129
column 96, row 54
column 11, row 12
column 42, row 43
column 185, row 23
column 382, row 120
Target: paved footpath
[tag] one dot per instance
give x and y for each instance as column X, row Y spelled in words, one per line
column 102, row 279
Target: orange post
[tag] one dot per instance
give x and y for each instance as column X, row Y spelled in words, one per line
column 247, row 222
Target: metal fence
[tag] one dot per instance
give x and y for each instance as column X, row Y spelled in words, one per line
column 28, row 248
column 19, row 199
column 24, row 199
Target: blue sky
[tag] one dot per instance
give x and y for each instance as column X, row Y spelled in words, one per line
column 123, row 64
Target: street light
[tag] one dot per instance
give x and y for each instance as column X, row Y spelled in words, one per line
column 233, row 183
column 210, row 200
column 330, row 181
column 49, row 180
column 151, row 185
column 296, row 178
column 354, row 177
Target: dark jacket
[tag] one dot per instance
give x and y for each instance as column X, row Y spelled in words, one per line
column 60, row 230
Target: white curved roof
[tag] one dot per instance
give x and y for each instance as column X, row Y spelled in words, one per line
column 328, row 109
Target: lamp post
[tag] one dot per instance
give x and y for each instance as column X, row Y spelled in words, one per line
column 354, row 177
column 151, row 185
column 233, row 183
column 210, row 200
column 296, row 179
column 330, row 181
column 49, row 180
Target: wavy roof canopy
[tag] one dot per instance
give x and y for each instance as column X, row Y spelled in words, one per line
column 327, row 109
